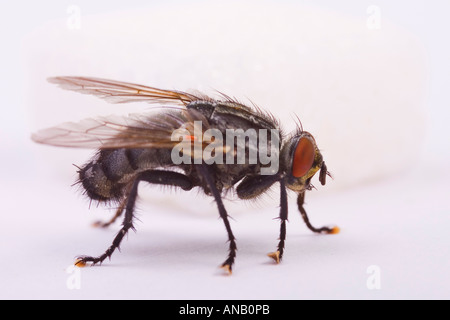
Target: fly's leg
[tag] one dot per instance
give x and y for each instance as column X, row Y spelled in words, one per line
column 277, row 255
column 119, row 211
column 252, row 187
column 152, row 176
column 126, row 226
column 326, row 230
column 228, row 263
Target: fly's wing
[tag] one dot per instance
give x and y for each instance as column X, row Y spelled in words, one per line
column 123, row 92
column 162, row 130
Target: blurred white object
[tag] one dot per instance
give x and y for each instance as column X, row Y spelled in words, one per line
column 357, row 83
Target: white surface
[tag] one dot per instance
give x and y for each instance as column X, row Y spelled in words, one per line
column 399, row 224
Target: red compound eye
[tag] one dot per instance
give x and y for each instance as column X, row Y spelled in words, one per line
column 303, row 157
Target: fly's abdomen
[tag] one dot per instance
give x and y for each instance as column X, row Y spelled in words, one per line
column 107, row 176
column 96, row 184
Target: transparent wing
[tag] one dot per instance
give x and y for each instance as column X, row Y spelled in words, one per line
column 123, row 92
column 133, row 131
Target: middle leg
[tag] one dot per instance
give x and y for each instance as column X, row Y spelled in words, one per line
column 204, row 171
column 277, row 255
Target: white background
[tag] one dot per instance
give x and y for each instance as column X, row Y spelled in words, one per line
column 398, row 222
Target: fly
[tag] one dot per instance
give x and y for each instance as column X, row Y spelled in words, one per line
column 194, row 141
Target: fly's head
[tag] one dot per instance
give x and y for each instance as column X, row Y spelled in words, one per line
column 301, row 160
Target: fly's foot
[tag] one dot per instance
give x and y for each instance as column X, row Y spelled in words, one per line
column 334, row 230
column 327, row 230
column 227, row 265
column 82, row 261
column 276, row 256
column 227, row 268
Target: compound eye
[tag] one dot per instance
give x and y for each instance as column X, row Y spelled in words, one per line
column 303, row 157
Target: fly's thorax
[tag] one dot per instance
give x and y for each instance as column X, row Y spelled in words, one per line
column 236, row 135
column 300, row 159
column 231, row 146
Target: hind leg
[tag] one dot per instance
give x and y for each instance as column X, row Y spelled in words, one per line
column 152, row 176
column 119, row 211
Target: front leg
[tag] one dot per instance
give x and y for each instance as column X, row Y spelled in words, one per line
column 326, row 230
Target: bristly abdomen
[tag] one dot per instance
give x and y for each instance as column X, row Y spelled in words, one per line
column 107, row 175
